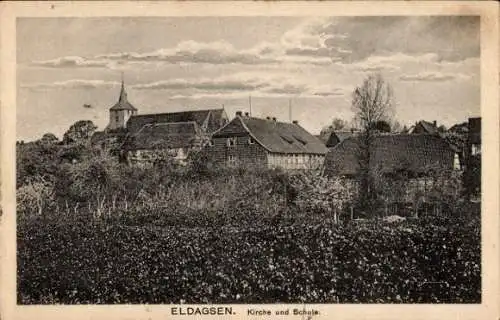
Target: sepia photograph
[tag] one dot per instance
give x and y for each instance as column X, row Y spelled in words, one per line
column 206, row 162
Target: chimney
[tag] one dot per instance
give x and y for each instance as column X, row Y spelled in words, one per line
column 246, row 114
column 435, row 123
column 274, row 119
column 238, row 113
column 295, row 122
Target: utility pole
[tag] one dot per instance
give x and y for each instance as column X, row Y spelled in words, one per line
column 250, row 104
column 290, row 109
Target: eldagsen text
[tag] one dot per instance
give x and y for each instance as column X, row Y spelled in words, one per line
column 211, row 311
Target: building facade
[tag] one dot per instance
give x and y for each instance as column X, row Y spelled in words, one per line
column 162, row 136
column 247, row 141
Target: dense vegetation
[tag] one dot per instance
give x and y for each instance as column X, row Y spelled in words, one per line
column 94, row 230
column 413, row 262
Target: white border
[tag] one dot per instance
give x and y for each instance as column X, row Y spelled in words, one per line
column 488, row 11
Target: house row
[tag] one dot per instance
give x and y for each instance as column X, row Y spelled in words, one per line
column 246, row 140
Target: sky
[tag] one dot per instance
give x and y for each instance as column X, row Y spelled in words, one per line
column 312, row 64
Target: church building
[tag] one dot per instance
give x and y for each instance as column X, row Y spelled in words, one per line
column 145, row 138
column 121, row 111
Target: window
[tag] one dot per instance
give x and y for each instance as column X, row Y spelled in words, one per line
column 231, row 142
column 117, row 118
column 299, row 139
column 251, row 140
column 231, row 159
column 287, row 138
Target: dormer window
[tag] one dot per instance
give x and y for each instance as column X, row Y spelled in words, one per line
column 287, row 138
column 231, row 142
column 210, row 143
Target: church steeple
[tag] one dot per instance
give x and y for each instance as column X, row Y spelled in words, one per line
column 122, row 110
column 123, row 93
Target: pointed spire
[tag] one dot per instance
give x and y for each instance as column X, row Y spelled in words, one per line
column 123, row 93
column 123, row 103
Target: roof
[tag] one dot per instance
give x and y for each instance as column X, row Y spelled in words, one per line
column 136, row 122
column 428, row 127
column 279, row 137
column 164, row 136
column 474, row 130
column 460, row 128
column 336, row 137
column 123, row 103
column 392, row 152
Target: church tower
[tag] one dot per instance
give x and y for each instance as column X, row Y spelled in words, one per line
column 121, row 111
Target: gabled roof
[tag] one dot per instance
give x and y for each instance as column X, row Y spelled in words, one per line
column 123, row 103
column 392, row 152
column 201, row 117
column 171, row 135
column 428, row 127
column 278, row 137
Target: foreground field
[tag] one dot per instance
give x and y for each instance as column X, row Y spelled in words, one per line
column 420, row 261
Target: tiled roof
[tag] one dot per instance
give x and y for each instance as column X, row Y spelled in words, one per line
column 429, row 127
column 123, row 103
column 392, row 152
column 281, row 137
column 135, row 123
column 164, row 136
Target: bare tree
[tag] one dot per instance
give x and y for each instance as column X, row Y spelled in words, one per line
column 372, row 102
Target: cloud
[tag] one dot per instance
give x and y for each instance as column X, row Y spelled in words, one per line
column 299, row 45
column 393, row 62
column 72, row 84
column 319, row 41
column 71, row 62
column 221, row 85
column 216, row 53
column 451, row 38
column 433, row 77
column 220, row 52
column 288, row 89
column 243, row 84
column 332, row 92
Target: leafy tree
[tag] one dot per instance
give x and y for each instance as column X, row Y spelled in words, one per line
column 441, row 129
column 337, row 124
column 372, row 102
column 49, row 138
column 80, row 132
column 36, row 160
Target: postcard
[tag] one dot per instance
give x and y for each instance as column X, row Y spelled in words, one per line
column 249, row 160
